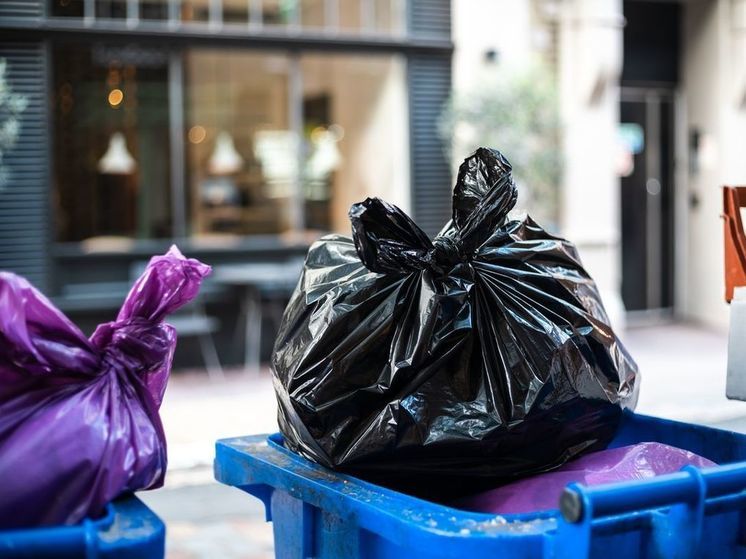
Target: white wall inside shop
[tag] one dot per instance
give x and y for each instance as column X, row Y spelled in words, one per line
column 714, row 92
column 368, row 99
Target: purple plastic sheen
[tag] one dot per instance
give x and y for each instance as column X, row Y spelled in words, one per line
column 542, row 492
column 79, row 421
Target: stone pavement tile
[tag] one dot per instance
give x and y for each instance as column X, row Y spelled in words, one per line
column 211, row 521
column 197, row 411
column 683, row 370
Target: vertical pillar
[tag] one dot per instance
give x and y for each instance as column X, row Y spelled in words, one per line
column 589, row 68
column 176, row 131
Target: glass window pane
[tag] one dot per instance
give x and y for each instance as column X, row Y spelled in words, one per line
column 384, row 16
column 236, row 11
column 67, row 8
column 154, row 9
column 279, row 12
column 111, row 142
column 195, row 10
column 350, row 15
column 241, row 154
column 355, row 135
column 312, row 13
column 111, row 9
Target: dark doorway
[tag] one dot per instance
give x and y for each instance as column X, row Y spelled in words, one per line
column 646, row 132
column 647, row 200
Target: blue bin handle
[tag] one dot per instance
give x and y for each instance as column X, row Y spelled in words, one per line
column 679, row 532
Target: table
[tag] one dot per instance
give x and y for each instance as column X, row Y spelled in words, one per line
column 253, row 279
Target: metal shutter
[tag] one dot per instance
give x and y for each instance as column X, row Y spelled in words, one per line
column 24, row 215
column 429, row 78
column 429, row 87
column 430, row 18
column 21, row 8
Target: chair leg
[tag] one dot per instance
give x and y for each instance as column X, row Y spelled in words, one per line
column 210, row 356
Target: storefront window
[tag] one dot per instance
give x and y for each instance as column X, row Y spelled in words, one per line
column 273, row 142
column 68, row 8
column 279, row 12
column 153, row 9
column 236, row 11
column 378, row 17
column 111, row 9
column 195, row 10
column 111, row 145
column 240, row 150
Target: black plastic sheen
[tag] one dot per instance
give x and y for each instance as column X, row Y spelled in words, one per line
column 437, row 366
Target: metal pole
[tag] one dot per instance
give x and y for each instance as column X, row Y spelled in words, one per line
column 174, row 13
column 133, row 13
column 256, row 16
column 176, row 129
column 89, row 11
column 216, row 14
column 295, row 110
column 367, row 15
column 653, row 208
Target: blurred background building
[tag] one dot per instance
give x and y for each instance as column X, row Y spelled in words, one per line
column 240, row 129
column 651, row 97
column 244, row 129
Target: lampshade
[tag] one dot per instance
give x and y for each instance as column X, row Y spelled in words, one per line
column 117, row 160
column 224, row 160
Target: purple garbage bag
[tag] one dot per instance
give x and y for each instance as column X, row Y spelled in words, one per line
column 79, row 420
column 542, row 492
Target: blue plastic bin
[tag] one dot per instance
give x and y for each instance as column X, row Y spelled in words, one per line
column 129, row 530
column 322, row 514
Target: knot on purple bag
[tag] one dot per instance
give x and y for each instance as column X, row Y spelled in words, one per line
column 445, row 255
column 136, row 345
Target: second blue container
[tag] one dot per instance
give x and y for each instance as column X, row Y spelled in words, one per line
column 322, row 514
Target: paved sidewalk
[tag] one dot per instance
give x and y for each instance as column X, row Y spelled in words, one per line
column 683, row 372
column 204, row 519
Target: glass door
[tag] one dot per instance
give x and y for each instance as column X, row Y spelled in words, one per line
column 645, row 165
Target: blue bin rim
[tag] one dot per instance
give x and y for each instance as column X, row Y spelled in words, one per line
column 277, row 441
column 351, row 495
column 103, row 522
column 260, row 463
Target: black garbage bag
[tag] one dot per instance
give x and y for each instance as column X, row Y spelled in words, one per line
column 441, row 366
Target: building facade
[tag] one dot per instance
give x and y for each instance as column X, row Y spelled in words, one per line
column 239, row 129
column 652, row 99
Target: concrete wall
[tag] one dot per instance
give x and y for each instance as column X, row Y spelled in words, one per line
column 503, row 26
column 590, row 61
column 714, row 91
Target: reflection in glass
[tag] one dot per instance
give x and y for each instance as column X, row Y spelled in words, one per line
column 279, row 12
column 195, row 10
column 111, row 9
column 68, row 8
column 154, row 9
column 240, row 151
column 111, row 142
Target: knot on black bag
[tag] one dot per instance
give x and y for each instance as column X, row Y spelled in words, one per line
column 445, row 255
